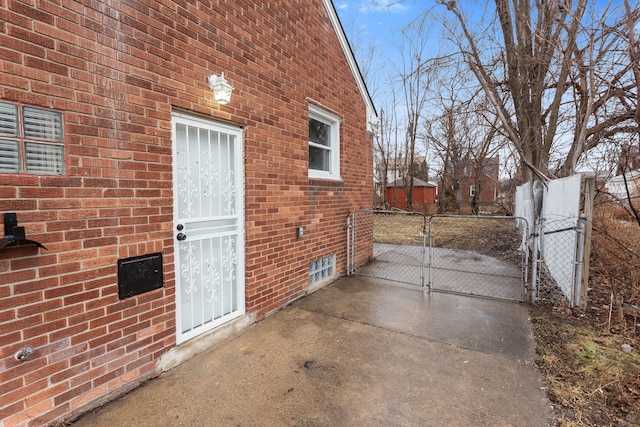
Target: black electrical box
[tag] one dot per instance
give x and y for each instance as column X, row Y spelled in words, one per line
column 139, row 274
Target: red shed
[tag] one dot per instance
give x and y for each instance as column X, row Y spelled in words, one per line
column 424, row 195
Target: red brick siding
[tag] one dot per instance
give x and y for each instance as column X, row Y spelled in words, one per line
column 117, row 72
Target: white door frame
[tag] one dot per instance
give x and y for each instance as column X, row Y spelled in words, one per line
column 208, row 224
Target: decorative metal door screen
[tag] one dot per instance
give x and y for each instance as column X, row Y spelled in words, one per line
column 208, row 224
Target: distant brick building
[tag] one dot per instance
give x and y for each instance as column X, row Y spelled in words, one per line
column 464, row 183
column 165, row 215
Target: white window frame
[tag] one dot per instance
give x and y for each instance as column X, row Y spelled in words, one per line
column 334, row 144
column 472, row 190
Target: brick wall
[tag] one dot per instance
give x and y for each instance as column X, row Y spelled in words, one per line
column 117, row 72
column 487, row 190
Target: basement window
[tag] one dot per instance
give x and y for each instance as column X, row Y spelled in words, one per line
column 31, row 140
column 322, row 269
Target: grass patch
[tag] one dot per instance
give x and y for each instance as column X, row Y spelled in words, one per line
column 591, row 380
column 602, row 360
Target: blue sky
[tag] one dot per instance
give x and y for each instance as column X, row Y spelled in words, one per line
column 369, row 22
column 374, row 19
column 378, row 23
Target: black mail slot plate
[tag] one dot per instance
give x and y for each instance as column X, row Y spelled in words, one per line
column 139, row 274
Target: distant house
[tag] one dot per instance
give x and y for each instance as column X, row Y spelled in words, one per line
column 165, row 215
column 626, row 183
column 424, row 195
column 628, row 159
column 464, row 183
column 398, row 168
column 618, row 185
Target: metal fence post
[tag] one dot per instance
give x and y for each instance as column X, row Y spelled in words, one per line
column 348, row 244
column 526, row 236
column 424, row 242
column 577, row 277
column 430, row 283
column 537, row 234
column 589, row 194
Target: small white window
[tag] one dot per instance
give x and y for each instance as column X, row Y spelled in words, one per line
column 31, row 140
column 472, row 190
column 322, row 269
column 324, row 144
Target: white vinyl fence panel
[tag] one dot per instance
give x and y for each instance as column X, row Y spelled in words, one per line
column 560, row 210
column 557, row 231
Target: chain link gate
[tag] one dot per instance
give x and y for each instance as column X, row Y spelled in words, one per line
column 479, row 255
column 388, row 245
column 472, row 255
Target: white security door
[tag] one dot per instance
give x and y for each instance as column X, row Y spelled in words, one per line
column 208, row 224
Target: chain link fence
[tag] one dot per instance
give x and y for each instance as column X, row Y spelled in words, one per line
column 399, row 245
column 488, row 256
column 474, row 255
column 558, row 249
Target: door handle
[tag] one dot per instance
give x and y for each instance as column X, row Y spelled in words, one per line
column 181, row 236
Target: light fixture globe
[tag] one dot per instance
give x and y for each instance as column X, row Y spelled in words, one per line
column 221, row 89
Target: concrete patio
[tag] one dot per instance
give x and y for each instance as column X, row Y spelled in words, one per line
column 360, row 352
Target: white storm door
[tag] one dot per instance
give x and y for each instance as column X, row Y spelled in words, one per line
column 208, row 224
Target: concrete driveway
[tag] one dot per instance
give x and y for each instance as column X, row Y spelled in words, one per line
column 360, row 352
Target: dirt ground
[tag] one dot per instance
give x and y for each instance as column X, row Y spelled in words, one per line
column 591, row 357
column 592, row 370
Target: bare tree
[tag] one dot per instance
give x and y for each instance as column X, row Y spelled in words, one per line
column 603, row 88
column 385, row 151
column 632, row 17
column 447, row 132
column 538, row 44
column 466, row 138
column 483, row 154
column 416, row 74
column 633, row 49
column 560, row 75
column 625, row 143
column 443, row 135
column 386, row 148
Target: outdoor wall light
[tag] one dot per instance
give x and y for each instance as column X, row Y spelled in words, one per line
column 221, row 89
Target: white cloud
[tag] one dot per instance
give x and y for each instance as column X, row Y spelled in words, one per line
column 394, row 6
column 343, row 5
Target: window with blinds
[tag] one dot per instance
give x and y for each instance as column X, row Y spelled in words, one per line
column 31, row 140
